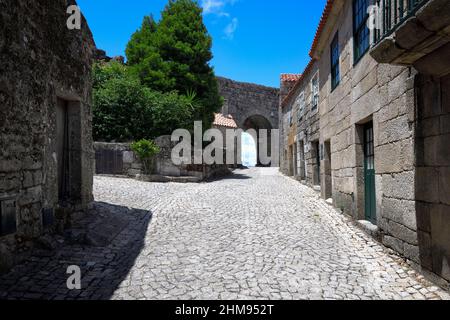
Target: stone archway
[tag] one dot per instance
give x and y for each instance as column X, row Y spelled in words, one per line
column 251, row 106
column 258, row 123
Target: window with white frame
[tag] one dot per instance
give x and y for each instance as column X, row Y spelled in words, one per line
column 301, row 105
column 315, row 91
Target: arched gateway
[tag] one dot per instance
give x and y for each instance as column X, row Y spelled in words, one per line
column 251, row 106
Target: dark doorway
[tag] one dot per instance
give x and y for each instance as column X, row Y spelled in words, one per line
column 295, row 157
column 62, row 136
column 302, row 163
column 317, row 180
column 369, row 174
column 327, row 192
column 68, row 151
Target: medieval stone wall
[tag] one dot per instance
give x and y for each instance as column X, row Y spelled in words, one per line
column 42, row 61
column 164, row 167
column 244, row 100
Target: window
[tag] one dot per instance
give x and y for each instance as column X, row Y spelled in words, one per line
column 315, row 91
column 301, row 105
column 289, row 117
column 335, row 72
column 361, row 33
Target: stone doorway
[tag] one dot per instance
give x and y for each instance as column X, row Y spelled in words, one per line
column 302, row 161
column 369, row 174
column 327, row 180
column 68, row 151
column 316, row 175
column 295, row 158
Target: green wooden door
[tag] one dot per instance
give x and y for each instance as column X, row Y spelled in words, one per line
column 318, row 163
column 369, row 174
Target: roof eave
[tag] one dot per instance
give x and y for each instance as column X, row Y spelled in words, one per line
column 326, row 25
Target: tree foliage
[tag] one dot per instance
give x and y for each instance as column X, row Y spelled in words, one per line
column 174, row 55
column 125, row 110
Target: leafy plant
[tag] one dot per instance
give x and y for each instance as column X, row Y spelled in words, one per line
column 146, row 150
column 125, row 110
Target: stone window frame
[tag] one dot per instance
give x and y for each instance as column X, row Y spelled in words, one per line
column 361, row 33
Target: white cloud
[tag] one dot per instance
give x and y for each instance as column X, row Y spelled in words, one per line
column 231, row 28
column 213, row 6
column 217, row 7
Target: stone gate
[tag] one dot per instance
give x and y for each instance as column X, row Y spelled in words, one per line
column 251, row 106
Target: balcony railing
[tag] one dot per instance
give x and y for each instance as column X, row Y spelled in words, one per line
column 390, row 14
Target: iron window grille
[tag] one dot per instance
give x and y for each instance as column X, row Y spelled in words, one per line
column 392, row 13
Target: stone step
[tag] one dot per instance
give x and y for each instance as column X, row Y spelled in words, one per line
column 165, row 179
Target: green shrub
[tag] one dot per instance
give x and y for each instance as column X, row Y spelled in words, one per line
column 146, row 150
column 125, row 110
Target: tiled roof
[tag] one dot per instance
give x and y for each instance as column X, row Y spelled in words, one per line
column 288, row 77
column 224, row 121
column 323, row 22
column 297, row 84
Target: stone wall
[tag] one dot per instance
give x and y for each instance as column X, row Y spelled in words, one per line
column 43, row 64
column 433, row 173
column 384, row 95
column 164, row 167
column 304, row 132
column 245, row 100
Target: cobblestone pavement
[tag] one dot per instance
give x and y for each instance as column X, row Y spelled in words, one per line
column 254, row 235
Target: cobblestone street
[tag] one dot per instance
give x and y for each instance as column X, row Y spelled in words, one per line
column 254, row 235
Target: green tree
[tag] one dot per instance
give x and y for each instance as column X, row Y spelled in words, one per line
column 125, row 110
column 175, row 55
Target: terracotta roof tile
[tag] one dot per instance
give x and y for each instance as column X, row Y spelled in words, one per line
column 298, row 83
column 288, row 77
column 323, row 22
column 224, row 121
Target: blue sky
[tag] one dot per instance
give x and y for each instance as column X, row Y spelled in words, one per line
column 253, row 40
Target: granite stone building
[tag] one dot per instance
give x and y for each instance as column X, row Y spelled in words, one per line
column 378, row 144
column 46, row 153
